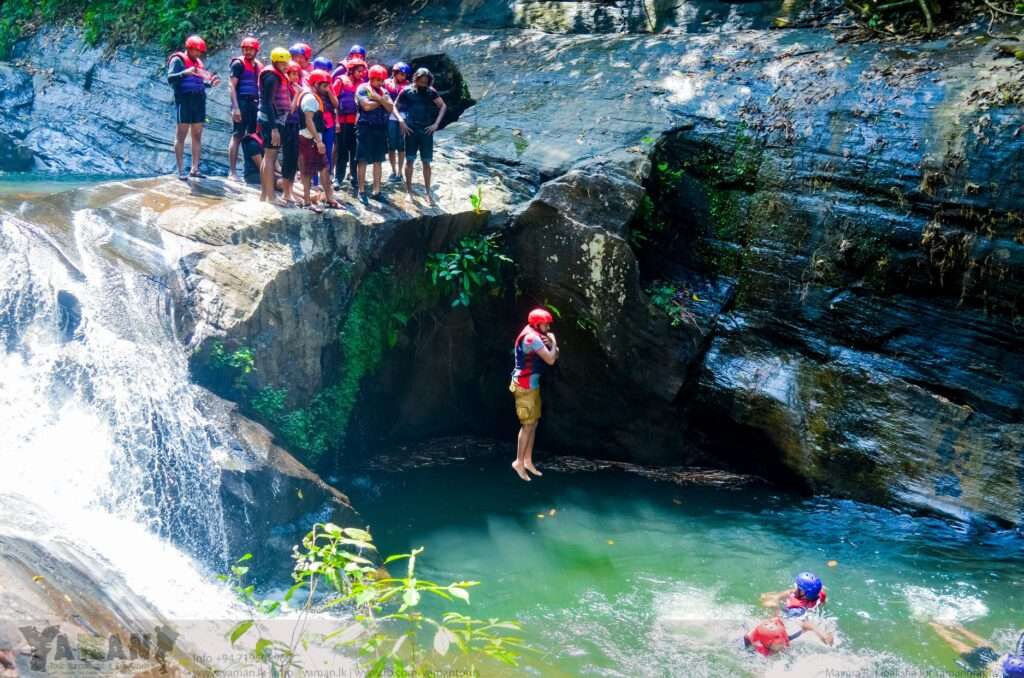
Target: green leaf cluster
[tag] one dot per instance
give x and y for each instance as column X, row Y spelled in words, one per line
column 390, row 627
column 472, row 268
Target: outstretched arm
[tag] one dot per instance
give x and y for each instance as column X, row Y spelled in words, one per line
column 773, row 598
column 824, row 636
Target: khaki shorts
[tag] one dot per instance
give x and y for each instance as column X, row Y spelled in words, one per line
column 527, row 403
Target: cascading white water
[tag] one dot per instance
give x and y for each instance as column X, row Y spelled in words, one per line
column 102, row 432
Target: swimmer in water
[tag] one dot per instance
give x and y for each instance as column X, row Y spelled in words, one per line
column 977, row 655
column 807, row 593
column 770, row 636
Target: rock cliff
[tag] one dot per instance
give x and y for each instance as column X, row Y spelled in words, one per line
column 770, row 249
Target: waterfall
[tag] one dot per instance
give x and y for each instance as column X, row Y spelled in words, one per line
column 102, row 432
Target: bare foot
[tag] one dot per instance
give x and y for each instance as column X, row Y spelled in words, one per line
column 532, row 469
column 518, row 468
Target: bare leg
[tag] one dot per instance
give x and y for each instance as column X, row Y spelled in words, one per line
column 408, row 178
column 233, row 156
column 524, row 440
column 528, row 458
column 325, row 183
column 179, row 147
column 971, row 636
column 378, row 170
column 267, row 174
column 361, row 176
column 197, row 146
column 307, row 181
column 391, row 160
column 426, row 182
column 947, row 635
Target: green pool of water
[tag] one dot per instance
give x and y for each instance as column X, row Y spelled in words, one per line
column 25, row 185
column 632, row 577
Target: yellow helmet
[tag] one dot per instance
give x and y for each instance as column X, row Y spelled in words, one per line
column 279, row 54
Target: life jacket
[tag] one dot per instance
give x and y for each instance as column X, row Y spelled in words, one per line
column 527, row 364
column 282, row 103
column 795, row 603
column 378, row 116
column 345, row 90
column 318, row 117
column 393, row 88
column 248, row 84
column 188, row 84
column 767, row 634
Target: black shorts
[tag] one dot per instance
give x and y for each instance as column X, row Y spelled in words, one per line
column 267, row 129
column 371, row 143
column 249, row 107
column 978, row 659
column 419, row 142
column 190, row 107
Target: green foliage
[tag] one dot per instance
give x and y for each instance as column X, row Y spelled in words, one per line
column 382, row 306
column 477, row 199
column 390, row 628
column 646, row 225
column 472, row 267
column 165, row 22
column 229, row 369
column 673, row 301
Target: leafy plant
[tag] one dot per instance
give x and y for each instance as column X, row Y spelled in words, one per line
column 472, row 267
column 390, row 628
column 673, row 302
column 646, row 224
column 477, row 199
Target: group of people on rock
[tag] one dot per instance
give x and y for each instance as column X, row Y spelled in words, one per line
column 771, row 636
column 300, row 118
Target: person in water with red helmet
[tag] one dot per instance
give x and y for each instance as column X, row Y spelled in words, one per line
column 535, row 350
column 375, row 107
column 807, row 593
column 245, row 98
column 190, row 80
column 770, row 637
column 313, row 104
column 977, row 655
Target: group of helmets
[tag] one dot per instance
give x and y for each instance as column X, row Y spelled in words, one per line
column 278, row 55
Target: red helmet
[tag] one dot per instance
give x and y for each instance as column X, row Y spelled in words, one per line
column 354, row 63
column 768, row 633
column 539, row 316
column 318, row 76
column 378, row 72
column 293, row 66
column 195, row 42
column 251, row 42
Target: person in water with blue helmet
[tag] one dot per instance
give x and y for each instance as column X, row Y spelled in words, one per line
column 977, row 655
column 808, row 593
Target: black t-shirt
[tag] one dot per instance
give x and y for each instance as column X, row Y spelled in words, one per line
column 418, row 106
column 251, row 147
column 237, row 69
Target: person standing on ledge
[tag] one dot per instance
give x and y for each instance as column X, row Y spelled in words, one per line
column 421, row 109
column 245, row 99
column 535, row 349
column 188, row 77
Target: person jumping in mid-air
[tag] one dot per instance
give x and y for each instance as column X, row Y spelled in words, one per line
column 977, row 655
column 535, row 349
column 807, row 593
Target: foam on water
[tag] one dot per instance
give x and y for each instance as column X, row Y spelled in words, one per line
column 958, row 605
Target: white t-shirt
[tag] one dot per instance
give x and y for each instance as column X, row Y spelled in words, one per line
column 309, row 104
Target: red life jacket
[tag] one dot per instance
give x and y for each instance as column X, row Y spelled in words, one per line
column 345, row 89
column 794, row 602
column 191, row 83
column 767, row 634
column 282, row 96
column 248, row 85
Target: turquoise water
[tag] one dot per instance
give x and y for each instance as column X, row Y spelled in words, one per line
column 25, row 185
column 632, row 577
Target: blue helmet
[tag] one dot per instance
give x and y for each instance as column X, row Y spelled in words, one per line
column 402, row 67
column 301, row 49
column 1013, row 666
column 808, row 584
column 323, row 63
column 357, row 49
